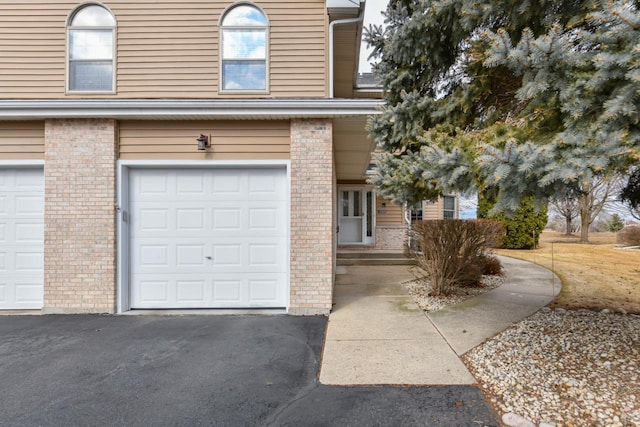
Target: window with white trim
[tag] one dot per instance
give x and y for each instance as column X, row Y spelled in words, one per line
column 244, row 32
column 90, row 52
column 448, row 207
column 417, row 212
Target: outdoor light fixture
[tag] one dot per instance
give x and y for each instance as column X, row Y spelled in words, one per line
column 203, row 142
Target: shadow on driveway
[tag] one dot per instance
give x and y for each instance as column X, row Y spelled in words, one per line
column 198, row 370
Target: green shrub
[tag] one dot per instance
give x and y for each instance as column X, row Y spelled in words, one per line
column 453, row 252
column 523, row 228
column 615, row 224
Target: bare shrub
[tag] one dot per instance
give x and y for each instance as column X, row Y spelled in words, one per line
column 453, row 252
column 629, row 236
column 491, row 265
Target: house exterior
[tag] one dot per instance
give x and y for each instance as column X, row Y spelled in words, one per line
column 175, row 154
column 374, row 223
column 367, row 221
column 179, row 154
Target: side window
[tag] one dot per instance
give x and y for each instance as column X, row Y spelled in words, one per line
column 90, row 51
column 449, row 207
column 243, row 65
column 417, row 212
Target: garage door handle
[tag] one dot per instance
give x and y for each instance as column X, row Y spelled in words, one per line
column 208, row 257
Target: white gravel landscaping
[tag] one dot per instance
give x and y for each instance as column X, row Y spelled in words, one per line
column 564, row 368
column 420, row 290
column 557, row 367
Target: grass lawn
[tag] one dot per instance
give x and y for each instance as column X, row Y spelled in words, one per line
column 594, row 276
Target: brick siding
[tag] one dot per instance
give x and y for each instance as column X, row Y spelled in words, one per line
column 312, row 222
column 80, row 195
column 391, row 238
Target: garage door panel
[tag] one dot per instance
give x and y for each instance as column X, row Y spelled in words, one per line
column 228, row 185
column 21, row 292
column 153, row 220
column 227, row 255
column 221, row 291
column 263, row 186
column 228, row 292
column 152, row 256
column 191, row 291
column 200, row 255
column 191, row 183
column 209, row 238
column 28, row 261
column 191, row 255
column 189, row 219
column 263, row 291
column 152, row 183
column 28, row 293
column 32, row 180
column 28, row 231
column 226, row 219
column 28, row 205
column 152, row 291
column 21, row 238
column 247, row 218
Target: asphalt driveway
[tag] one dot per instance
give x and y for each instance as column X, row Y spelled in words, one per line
column 198, row 370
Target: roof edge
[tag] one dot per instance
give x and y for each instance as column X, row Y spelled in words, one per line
column 188, row 109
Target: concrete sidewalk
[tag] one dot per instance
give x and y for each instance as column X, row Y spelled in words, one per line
column 378, row 335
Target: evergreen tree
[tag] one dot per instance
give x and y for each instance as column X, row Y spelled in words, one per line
column 523, row 228
column 533, row 98
column 630, row 195
column 616, row 224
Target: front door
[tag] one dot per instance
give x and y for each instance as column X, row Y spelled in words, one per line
column 356, row 216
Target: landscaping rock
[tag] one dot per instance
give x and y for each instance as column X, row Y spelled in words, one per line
column 515, row 420
column 573, row 368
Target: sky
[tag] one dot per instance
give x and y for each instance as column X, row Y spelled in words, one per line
column 372, row 15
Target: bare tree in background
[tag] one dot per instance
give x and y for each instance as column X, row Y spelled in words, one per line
column 594, row 196
column 565, row 205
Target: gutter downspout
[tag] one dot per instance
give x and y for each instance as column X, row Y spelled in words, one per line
column 331, row 26
column 407, row 219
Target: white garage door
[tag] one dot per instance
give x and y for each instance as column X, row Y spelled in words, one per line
column 21, row 238
column 208, row 238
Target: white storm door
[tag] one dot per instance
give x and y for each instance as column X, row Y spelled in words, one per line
column 355, row 217
column 21, row 239
column 208, row 238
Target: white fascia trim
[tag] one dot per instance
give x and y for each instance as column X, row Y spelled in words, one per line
column 202, row 163
column 21, row 163
column 188, row 109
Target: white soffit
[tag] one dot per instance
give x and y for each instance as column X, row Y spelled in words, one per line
column 343, row 9
column 251, row 109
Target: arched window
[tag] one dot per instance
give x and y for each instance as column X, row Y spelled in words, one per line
column 244, row 33
column 91, row 38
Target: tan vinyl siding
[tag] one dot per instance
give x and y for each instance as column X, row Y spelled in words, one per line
column 21, row 140
column 432, row 210
column 390, row 214
column 435, row 210
column 165, row 49
column 231, row 140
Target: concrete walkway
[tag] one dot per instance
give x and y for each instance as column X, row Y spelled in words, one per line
column 378, row 335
